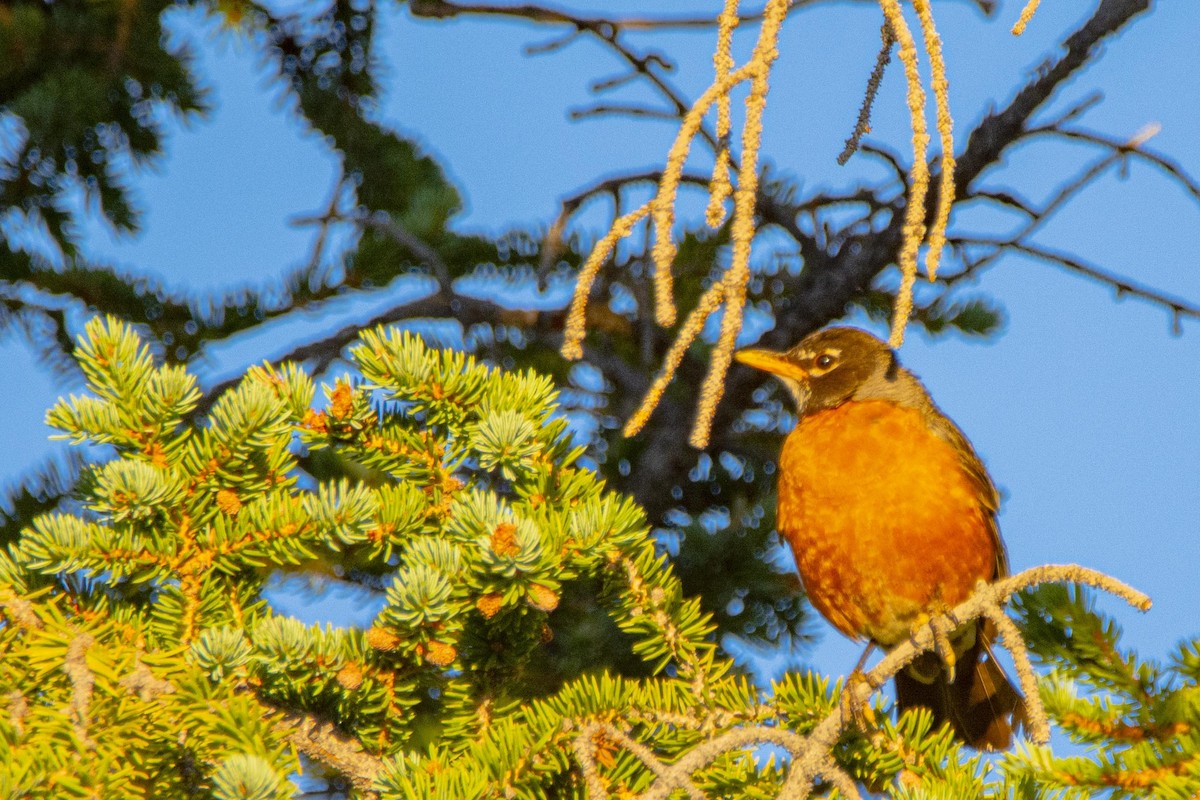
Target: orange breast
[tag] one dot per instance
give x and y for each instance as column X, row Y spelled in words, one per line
column 883, row 520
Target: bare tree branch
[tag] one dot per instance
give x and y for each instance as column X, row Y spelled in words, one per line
column 603, row 26
column 1122, row 285
column 1128, row 150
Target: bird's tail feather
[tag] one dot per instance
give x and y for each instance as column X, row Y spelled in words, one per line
column 981, row 704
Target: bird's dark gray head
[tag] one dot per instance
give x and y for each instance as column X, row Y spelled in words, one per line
column 831, row 366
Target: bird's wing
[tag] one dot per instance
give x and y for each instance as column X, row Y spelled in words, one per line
column 978, row 474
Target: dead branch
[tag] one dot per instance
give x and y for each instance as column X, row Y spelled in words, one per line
column 443, row 9
column 1128, row 149
column 863, row 124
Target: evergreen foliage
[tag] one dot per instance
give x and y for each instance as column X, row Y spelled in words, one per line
column 147, row 603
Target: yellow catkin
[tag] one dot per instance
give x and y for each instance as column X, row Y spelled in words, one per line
column 719, row 187
column 574, row 332
column 663, row 213
column 744, row 200
column 945, row 126
column 1026, row 14
column 723, row 62
column 914, row 213
column 692, row 325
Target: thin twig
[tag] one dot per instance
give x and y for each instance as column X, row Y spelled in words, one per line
column 621, row 110
column 442, row 9
column 1173, row 168
column 1122, row 285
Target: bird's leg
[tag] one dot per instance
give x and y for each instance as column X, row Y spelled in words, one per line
column 941, row 626
column 859, row 713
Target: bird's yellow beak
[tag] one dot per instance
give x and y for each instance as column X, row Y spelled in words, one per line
column 772, row 362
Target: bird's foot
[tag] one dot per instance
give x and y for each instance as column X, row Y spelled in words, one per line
column 855, row 702
column 940, row 626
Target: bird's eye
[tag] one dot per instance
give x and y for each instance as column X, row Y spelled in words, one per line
column 825, row 361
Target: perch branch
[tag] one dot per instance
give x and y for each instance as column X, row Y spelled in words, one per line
column 811, row 754
column 323, row 742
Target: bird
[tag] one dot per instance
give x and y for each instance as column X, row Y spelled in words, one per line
column 891, row 516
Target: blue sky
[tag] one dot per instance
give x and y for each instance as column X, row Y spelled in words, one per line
column 1084, row 408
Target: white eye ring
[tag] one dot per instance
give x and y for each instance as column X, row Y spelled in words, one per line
column 825, row 361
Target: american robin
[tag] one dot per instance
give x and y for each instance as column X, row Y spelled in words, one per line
column 892, row 519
